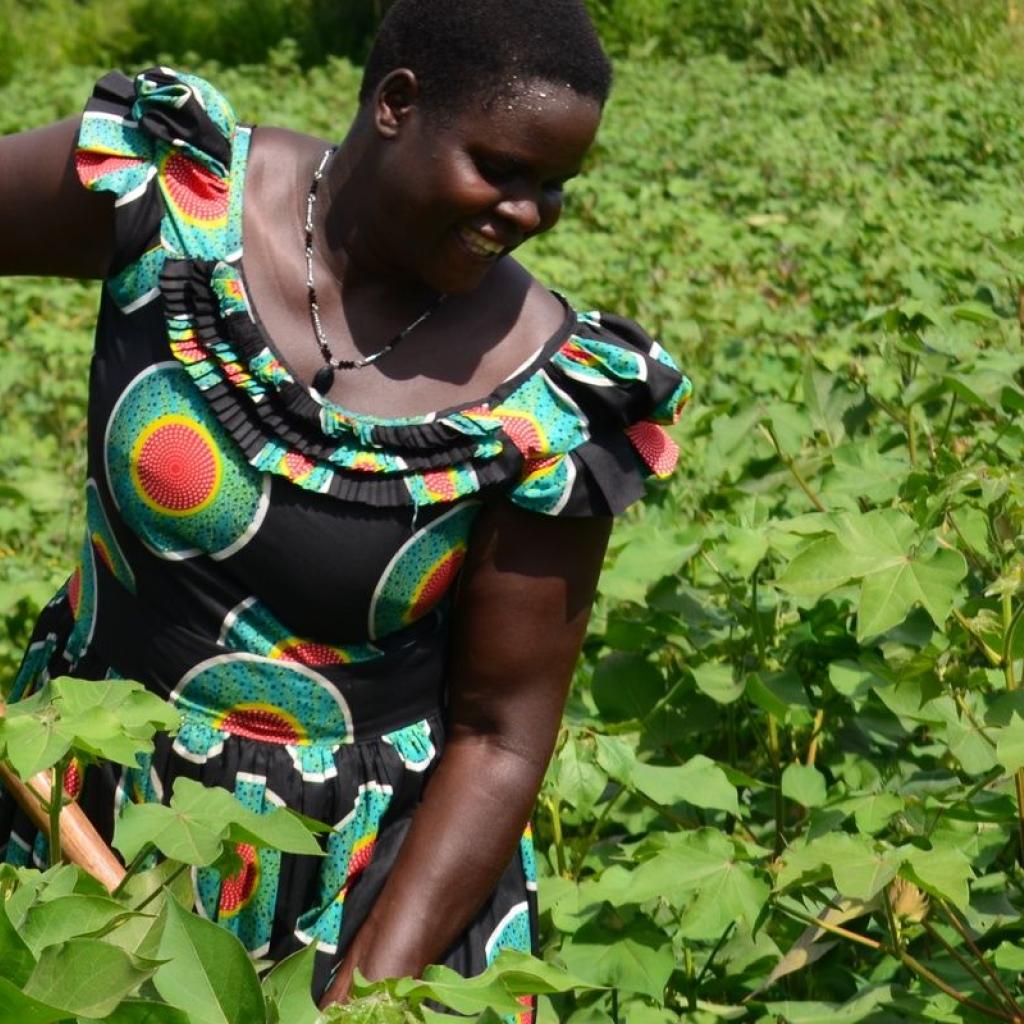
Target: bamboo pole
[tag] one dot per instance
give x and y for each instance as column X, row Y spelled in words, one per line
column 80, row 843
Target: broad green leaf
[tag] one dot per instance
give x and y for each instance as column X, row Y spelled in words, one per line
column 804, row 784
column 887, row 596
column 143, row 1011
column 872, row 811
column 86, row 977
column 1010, row 744
column 862, row 1006
column 207, row 972
column 288, row 989
column 175, row 834
column 16, row 1007
column 699, row 782
column 577, row 778
column 635, row 957
column 626, row 686
column 16, row 958
column 883, row 550
column 941, row 871
column 465, row 995
column 200, row 819
column 68, row 917
column 717, row 681
column 860, row 868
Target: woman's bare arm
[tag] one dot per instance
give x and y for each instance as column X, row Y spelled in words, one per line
column 49, row 223
column 522, row 612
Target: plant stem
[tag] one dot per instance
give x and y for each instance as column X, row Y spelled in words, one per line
column 968, row 966
column 995, row 659
column 919, row 968
column 691, row 993
column 791, row 465
column 979, row 956
column 556, row 828
column 1010, row 622
column 780, row 805
column 175, row 875
column 55, row 806
column 812, row 747
column 710, row 960
column 835, row 929
column 134, row 868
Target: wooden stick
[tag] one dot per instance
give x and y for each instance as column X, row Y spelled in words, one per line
column 80, row 843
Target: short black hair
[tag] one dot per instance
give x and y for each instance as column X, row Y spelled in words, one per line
column 460, row 49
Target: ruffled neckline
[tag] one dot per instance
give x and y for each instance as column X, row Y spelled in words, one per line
column 571, row 432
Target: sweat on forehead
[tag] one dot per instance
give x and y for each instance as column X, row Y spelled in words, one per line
column 463, row 51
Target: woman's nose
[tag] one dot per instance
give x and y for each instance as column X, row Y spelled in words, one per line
column 532, row 209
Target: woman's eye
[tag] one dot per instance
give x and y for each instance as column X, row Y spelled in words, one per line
column 495, row 171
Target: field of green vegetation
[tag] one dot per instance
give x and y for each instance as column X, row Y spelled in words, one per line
column 789, row 783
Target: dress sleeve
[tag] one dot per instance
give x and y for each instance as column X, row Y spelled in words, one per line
column 610, row 390
column 161, row 143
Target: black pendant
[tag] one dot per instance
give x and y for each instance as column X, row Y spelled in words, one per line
column 324, row 379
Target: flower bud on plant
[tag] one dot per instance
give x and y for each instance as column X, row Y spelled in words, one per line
column 908, row 902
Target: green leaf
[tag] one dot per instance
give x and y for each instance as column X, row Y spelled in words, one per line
column 699, row 782
column 860, row 868
column 626, row 686
column 804, row 784
column 69, row 917
column 288, row 989
column 19, row 1008
column 872, row 811
column 1010, row 744
column 143, row 1011
column 716, row 680
column 86, row 977
column 577, row 778
column 634, row 957
column 113, row 719
column 208, row 973
column 16, row 958
column 200, row 820
column 942, row 871
column 882, row 549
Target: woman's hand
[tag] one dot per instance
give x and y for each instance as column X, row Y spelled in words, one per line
column 521, row 614
column 49, row 223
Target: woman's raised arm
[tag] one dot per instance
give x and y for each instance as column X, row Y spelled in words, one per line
column 49, row 223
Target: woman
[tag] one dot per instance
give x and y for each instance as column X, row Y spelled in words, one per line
column 297, row 443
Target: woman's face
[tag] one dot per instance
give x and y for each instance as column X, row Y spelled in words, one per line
column 459, row 194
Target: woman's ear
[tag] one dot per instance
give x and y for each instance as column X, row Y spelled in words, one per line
column 395, row 99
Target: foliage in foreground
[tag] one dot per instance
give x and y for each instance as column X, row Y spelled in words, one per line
column 73, row 953
column 786, row 786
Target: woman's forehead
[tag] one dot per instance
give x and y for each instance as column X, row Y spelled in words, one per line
column 533, row 113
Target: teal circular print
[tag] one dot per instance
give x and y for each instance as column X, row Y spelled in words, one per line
column 178, row 481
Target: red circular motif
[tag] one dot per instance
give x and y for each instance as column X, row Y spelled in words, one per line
column 75, row 591
column 359, row 861
column 309, row 652
column 437, row 582
column 260, row 724
column 297, row 466
column 176, row 467
column 440, row 483
column 524, row 434
column 654, row 446
column 197, row 192
column 91, row 166
column 237, row 890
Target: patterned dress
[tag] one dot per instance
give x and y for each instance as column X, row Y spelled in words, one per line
column 279, row 568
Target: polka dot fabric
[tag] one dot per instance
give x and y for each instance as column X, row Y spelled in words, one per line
column 280, row 568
